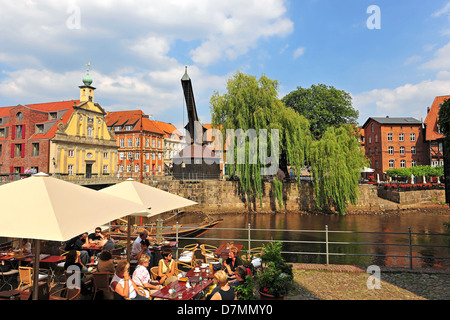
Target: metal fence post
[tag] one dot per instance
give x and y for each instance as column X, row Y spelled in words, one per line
column 176, row 239
column 249, row 237
column 326, row 243
column 410, row 248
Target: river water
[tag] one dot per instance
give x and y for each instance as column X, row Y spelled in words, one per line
column 373, row 236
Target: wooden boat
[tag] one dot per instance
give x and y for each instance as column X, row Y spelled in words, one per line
column 169, row 231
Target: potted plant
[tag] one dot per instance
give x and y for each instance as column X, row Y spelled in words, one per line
column 276, row 278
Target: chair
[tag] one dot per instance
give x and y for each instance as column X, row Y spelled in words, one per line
column 208, row 253
column 26, row 276
column 253, row 257
column 8, row 277
column 187, row 257
column 154, row 272
column 101, row 282
column 67, row 293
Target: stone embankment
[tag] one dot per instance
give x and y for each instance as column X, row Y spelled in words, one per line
column 215, row 196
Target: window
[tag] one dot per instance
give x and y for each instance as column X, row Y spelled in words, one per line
column 35, row 150
column 414, row 163
column 401, row 137
column 39, row 128
column 412, row 137
column 391, row 164
column 373, row 127
column 70, row 169
column 153, row 143
column 128, row 167
column 121, row 142
column 159, row 168
column 441, row 147
column 19, row 116
column 153, row 156
column 118, row 128
column 136, row 168
column 137, row 142
column 376, row 164
column 105, row 168
column 129, row 156
column 159, row 143
column 18, row 150
column 389, row 136
column 370, row 139
column 434, row 163
column 105, row 155
column 71, row 153
column 137, row 156
column 130, row 142
column 376, row 150
column 2, row 132
column 53, row 115
column 391, row 150
column 122, row 155
column 147, row 156
column 403, row 164
column 90, row 131
column 376, row 138
column 147, row 142
column 159, row 156
column 402, row 150
column 121, row 168
column 413, row 150
column 129, row 128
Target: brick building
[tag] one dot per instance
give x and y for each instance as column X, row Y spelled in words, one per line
column 433, row 134
column 65, row 138
column 140, row 142
column 394, row 143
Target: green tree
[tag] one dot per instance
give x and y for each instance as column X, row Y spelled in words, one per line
column 323, row 106
column 252, row 103
column 336, row 161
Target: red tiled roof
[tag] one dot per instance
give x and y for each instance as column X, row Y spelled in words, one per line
column 51, row 133
column 132, row 117
column 168, row 128
column 53, row 106
column 432, row 118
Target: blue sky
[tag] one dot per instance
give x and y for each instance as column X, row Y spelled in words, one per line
column 138, row 50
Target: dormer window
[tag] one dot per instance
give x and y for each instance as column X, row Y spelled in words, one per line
column 19, row 116
column 129, row 128
column 39, row 128
column 53, row 115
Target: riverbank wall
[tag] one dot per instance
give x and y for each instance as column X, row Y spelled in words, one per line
column 215, row 196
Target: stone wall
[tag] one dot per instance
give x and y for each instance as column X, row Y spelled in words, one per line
column 413, row 197
column 215, row 196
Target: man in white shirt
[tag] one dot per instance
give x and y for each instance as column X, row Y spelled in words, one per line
column 136, row 248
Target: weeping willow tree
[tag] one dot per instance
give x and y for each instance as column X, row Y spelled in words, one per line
column 251, row 105
column 336, row 161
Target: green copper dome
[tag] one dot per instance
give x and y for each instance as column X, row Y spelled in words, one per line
column 87, row 80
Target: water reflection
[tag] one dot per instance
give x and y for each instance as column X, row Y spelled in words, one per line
column 388, row 249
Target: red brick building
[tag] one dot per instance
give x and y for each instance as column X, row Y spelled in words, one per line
column 433, row 134
column 394, row 143
column 140, row 141
column 26, row 132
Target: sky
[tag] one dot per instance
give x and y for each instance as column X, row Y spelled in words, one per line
column 393, row 57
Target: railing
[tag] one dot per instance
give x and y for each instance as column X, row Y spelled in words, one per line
column 249, row 240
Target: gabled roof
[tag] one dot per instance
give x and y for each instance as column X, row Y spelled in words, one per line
column 132, row 118
column 53, row 106
column 168, row 129
column 395, row 120
column 51, row 133
column 431, row 132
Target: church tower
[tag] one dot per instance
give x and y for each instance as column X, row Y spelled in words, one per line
column 86, row 90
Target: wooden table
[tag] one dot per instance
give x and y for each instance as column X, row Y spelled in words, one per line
column 180, row 287
column 223, row 251
column 205, row 275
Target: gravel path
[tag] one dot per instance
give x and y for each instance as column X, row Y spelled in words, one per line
column 336, row 282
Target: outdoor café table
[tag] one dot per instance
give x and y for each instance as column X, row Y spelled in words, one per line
column 202, row 273
column 180, row 288
column 223, row 251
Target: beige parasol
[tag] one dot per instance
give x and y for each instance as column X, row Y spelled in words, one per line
column 45, row 208
column 155, row 200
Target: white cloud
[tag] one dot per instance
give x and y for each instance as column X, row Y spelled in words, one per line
column 299, row 52
column 407, row 100
column 441, row 60
column 442, row 11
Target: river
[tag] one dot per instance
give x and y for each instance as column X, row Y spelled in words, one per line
column 285, row 228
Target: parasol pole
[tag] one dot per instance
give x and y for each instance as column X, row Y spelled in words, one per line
column 37, row 253
column 128, row 239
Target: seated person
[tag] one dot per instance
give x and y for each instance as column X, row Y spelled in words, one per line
column 79, row 243
column 105, row 262
column 136, row 248
column 167, row 268
column 73, row 263
column 26, row 246
column 225, row 291
column 96, row 236
column 141, row 276
column 232, row 262
column 107, row 243
column 240, row 273
column 123, row 285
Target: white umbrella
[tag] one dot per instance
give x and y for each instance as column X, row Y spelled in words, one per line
column 45, row 208
column 155, row 200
